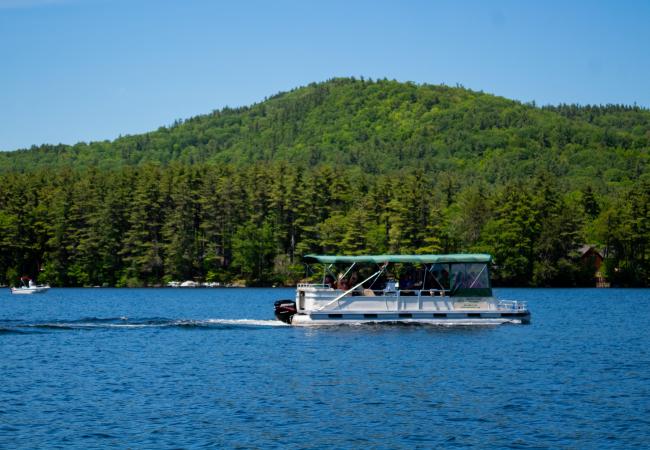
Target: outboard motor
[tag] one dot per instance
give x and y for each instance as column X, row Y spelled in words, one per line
column 284, row 310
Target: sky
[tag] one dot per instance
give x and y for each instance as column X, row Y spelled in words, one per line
column 87, row 70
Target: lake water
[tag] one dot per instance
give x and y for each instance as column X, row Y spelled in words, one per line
column 202, row 368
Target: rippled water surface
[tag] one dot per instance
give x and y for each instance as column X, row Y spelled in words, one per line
column 196, row 368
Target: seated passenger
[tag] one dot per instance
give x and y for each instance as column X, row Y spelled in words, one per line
column 406, row 282
column 329, row 281
column 354, row 280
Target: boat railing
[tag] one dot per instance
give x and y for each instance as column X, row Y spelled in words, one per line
column 313, row 285
column 404, row 292
column 384, row 292
column 512, row 305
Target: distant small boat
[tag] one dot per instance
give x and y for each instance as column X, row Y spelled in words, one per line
column 29, row 287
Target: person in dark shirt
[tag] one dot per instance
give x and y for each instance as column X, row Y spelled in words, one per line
column 329, row 281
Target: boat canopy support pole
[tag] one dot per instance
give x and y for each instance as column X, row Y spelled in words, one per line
column 435, row 278
column 337, row 299
column 348, row 271
column 326, row 270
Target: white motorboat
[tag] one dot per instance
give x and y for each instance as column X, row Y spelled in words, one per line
column 430, row 289
column 29, row 287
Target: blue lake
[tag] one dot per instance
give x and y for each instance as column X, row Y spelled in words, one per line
column 210, row 368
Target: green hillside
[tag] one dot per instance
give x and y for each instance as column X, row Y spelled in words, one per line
column 341, row 166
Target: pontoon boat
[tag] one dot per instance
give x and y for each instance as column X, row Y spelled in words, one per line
column 433, row 289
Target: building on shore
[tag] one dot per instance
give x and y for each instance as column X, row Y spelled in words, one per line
column 591, row 257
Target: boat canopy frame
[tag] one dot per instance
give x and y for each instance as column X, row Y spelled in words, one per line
column 414, row 259
column 467, row 288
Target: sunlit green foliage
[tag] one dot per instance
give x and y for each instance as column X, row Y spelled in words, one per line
column 346, row 166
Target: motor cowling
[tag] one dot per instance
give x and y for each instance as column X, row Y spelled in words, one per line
column 285, row 310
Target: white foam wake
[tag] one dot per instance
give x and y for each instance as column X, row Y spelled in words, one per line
column 126, row 323
column 251, row 322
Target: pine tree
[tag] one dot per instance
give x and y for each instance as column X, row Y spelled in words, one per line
column 142, row 243
column 254, row 251
column 510, row 235
column 180, row 230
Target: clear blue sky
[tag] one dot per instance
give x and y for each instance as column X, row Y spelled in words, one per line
column 82, row 70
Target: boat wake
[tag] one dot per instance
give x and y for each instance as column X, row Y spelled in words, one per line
column 125, row 323
column 18, row 327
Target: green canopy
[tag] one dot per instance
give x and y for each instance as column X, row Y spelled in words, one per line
column 422, row 259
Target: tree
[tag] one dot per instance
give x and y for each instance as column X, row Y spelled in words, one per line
column 510, row 236
column 142, row 243
column 253, row 250
column 181, row 227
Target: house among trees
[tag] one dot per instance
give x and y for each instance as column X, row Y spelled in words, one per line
column 592, row 258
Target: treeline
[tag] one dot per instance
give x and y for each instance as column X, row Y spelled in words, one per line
column 146, row 225
column 348, row 165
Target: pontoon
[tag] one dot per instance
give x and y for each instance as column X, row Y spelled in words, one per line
column 433, row 289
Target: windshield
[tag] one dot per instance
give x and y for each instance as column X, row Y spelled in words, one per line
column 470, row 279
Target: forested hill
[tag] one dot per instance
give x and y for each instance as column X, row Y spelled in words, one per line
column 353, row 166
column 381, row 126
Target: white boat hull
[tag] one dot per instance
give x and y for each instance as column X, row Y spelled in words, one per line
column 443, row 319
column 30, row 290
column 320, row 305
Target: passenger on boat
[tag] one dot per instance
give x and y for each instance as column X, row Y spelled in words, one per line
column 407, row 285
column 406, row 282
column 342, row 284
column 354, row 280
column 329, row 281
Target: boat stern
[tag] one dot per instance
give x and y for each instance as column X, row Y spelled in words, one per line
column 284, row 310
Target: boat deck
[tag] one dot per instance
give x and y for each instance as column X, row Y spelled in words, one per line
column 320, row 304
